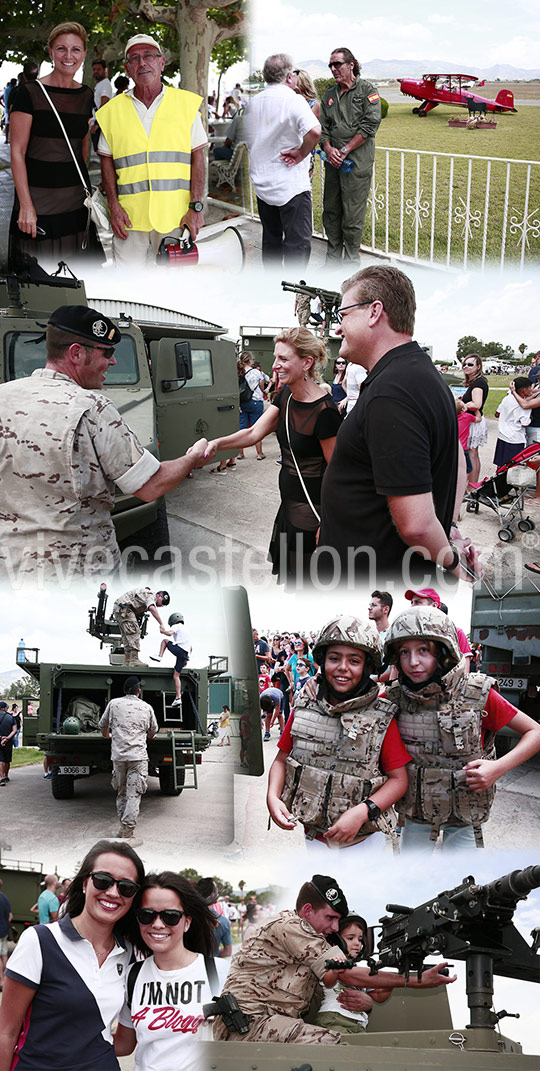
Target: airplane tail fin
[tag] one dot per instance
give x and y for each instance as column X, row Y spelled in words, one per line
column 506, row 99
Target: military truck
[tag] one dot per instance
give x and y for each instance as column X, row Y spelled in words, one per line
column 174, row 380
column 72, row 699
column 413, row 1031
column 22, row 884
column 507, row 625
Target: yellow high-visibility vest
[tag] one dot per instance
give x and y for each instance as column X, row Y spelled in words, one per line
column 153, row 173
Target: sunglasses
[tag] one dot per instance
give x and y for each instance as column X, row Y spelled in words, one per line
column 102, row 881
column 337, row 63
column 171, row 916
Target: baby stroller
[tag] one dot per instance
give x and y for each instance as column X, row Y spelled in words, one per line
column 504, row 492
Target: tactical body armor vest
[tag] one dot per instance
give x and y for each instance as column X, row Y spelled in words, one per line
column 442, row 731
column 334, row 762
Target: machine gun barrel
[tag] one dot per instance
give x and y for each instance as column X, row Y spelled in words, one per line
column 328, row 296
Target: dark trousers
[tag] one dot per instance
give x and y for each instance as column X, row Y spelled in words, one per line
column 286, row 230
column 344, row 211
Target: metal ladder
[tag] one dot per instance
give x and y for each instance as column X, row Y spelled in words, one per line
column 181, row 768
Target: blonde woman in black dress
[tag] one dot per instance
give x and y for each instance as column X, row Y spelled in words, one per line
column 303, row 407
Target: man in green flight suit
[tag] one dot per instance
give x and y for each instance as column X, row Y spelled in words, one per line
column 350, row 118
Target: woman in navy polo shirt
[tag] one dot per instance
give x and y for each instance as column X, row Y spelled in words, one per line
column 65, row 981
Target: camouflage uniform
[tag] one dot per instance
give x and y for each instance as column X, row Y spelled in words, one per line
column 128, row 611
column 356, row 111
column 62, row 450
column 334, row 761
column 303, row 309
column 129, row 720
column 274, row 976
column 441, row 727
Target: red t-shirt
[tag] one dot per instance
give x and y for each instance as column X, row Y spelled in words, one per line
column 499, row 712
column 394, row 754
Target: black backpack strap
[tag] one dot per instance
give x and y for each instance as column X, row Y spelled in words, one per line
column 134, row 972
column 212, row 975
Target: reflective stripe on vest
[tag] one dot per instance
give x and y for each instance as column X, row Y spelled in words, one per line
column 153, row 173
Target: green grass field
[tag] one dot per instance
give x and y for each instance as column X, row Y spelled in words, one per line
column 517, row 137
column 26, row 756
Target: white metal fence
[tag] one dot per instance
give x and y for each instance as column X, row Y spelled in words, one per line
column 448, row 209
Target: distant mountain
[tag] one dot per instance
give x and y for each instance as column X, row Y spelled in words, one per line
column 395, row 68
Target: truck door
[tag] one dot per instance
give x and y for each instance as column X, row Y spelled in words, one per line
column 196, row 389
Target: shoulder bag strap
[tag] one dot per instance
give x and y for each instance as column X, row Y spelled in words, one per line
column 68, row 143
column 304, row 488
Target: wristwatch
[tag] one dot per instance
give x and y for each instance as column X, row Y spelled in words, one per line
column 373, row 810
column 197, row 206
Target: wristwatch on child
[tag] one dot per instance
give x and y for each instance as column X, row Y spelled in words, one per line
column 373, row 810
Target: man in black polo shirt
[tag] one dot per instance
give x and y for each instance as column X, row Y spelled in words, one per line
column 391, row 483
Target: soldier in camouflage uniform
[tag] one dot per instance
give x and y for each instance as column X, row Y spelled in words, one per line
column 340, row 764
column 350, row 118
column 128, row 612
column 129, row 722
column 279, row 970
column 64, row 447
column 448, row 719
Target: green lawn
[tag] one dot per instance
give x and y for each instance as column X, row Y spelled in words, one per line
column 517, row 137
column 26, row 756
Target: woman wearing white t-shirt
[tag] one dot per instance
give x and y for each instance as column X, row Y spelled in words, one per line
column 163, row 1013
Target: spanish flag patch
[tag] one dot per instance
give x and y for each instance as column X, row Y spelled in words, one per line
column 373, row 97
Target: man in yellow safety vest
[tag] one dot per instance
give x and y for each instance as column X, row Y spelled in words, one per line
column 152, row 157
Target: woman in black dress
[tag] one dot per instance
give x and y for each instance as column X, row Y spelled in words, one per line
column 474, row 398
column 306, row 421
column 49, row 219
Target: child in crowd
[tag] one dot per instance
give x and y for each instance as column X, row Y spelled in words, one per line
column 512, row 423
column 466, row 417
column 225, row 727
column 332, row 1014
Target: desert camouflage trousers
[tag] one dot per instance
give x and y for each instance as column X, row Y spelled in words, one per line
column 130, row 779
column 279, row 1028
column 130, row 628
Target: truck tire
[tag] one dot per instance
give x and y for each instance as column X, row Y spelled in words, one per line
column 166, row 781
column 62, row 785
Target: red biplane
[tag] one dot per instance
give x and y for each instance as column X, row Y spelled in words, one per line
column 455, row 90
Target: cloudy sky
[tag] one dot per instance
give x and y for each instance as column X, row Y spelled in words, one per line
column 450, row 304
column 56, row 623
column 476, row 36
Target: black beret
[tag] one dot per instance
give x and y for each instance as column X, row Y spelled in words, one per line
column 131, row 682
column 330, row 891
column 86, row 323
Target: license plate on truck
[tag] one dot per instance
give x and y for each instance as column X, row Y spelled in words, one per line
column 515, row 684
column 74, row 771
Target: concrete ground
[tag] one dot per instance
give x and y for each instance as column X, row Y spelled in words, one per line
column 59, row 832
column 225, row 522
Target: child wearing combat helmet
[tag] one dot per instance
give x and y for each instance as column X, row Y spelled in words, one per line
column 341, row 762
column 448, row 719
column 180, row 647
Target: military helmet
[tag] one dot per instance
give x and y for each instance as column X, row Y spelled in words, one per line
column 176, row 619
column 352, row 632
column 423, row 623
